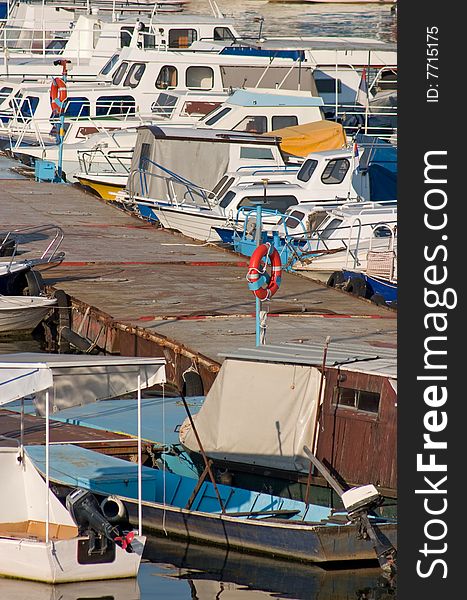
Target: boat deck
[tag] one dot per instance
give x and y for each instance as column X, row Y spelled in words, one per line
column 138, row 289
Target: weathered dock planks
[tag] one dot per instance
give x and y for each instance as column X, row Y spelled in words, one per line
column 138, row 289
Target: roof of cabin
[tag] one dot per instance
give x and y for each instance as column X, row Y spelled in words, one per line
column 383, row 361
column 209, row 135
column 248, row 98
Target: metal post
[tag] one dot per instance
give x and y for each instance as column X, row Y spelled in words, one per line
column 47, row 442
column 140, row 469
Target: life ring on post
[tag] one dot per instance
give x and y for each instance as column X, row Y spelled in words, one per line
column 257, row 276
column 58, row 95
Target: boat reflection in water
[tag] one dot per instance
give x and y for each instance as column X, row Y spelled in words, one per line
column 112, row 589
column 239, row 576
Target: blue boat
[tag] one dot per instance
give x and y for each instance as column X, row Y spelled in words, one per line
column 181, row 507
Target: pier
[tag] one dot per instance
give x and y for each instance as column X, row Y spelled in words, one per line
column 138, row 290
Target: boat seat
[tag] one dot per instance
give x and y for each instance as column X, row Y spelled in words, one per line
column 35, row 530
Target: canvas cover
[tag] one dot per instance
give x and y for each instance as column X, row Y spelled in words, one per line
column 301, row 140
column 258, row 413
column 74, row 380
column 199, row 162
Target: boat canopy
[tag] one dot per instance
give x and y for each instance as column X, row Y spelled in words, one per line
column 258, row 412
column 74, row 379
column 193, row 158
column 300, row 140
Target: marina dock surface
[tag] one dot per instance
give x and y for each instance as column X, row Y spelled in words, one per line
column 136, row 289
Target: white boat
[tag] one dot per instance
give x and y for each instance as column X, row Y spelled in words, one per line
column 40, row 539
column 23, row 313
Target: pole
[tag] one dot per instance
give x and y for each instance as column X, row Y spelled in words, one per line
column 258, row 301
column 315, row 427
column 203, row 453
column 47, row 446
column 140, row 470
column 62, row 129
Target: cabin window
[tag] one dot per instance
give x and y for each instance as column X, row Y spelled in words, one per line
column 221, row 187
column 198, row 108
column 335, row 171
column 279, row 203
column 294, row 219
column 28, row 106
column 126, row 33
column 56, row 46
column 255, row 153
column 252, row 124
column 115, row 105
column 119, row 73
column 167, row 78
column 144, row 156
column 382, row 231
column 330, row 229
column 77, row 107
column 134, row 74
column 109, row 65
column 201, row 78
column 307, row 170
column 212, row 120
column 279, row 122
column 328, row 85
column 357, row 399
column 223, row 34
column 164, row 105
column 227, row 199
column 4, row 93
column 149, row 41
column 182, row 38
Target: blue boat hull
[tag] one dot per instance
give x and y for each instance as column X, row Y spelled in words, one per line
column 165, row 496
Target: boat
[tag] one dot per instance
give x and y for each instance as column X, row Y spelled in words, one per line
column 41, row 539
column 105, row 167
column 186, row 508
column 23, row 277
column 23, row 313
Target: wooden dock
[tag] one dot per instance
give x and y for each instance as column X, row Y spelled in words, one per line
column 135, row 289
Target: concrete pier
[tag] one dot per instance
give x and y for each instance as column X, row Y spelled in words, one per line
column 135, row 289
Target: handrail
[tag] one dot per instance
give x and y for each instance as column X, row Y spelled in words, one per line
column 49, row 255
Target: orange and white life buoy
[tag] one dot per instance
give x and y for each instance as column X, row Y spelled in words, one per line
column 58, row 95
column 257, row 275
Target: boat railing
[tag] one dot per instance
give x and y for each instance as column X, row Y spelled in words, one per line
column 373, row 119
column 16, row 238
column 191, row 193
column 44, row 131
column 118, row 161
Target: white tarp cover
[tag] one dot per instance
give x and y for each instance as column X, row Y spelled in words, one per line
column 17, row 383
column 258, row 413
column 201, row 162
column 75, row 379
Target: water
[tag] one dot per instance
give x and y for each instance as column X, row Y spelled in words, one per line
column 369, row 20
column 179, row 570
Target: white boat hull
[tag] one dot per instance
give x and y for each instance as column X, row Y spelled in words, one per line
column 24, row 551
column 57, row 562
column 197, row 225
column 23, row 313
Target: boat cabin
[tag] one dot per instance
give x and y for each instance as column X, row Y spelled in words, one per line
column 263, row 408
column 256, row 112
column 170, row 164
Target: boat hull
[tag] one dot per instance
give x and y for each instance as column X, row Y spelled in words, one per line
column 106, row 191
column 57, row 561
column 23, row 313
column 292, row 541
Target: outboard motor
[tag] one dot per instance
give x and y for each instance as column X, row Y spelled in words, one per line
column 87, row 515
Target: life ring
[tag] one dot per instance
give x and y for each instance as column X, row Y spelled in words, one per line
column 257, row 276
column 58, row 95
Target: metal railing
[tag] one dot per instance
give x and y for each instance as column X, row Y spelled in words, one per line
column 15, row 238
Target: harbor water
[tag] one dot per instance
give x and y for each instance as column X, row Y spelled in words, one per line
column 178, row 570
